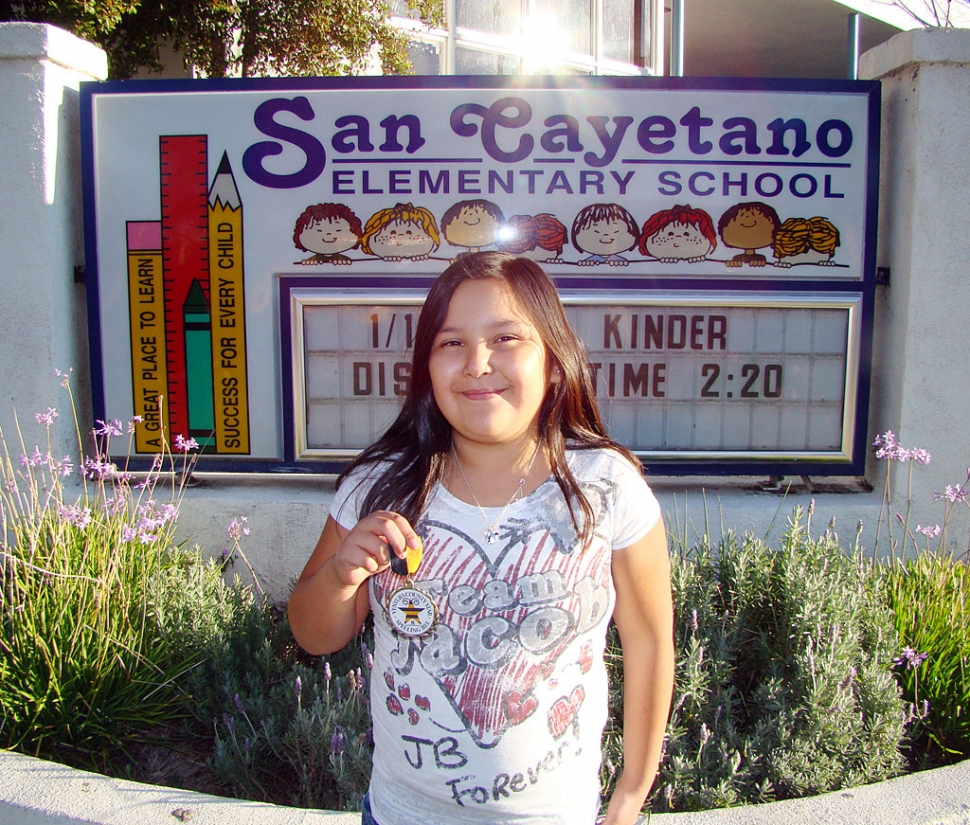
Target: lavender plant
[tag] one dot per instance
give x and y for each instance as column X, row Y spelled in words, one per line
column 300, row 734
column 784, row 685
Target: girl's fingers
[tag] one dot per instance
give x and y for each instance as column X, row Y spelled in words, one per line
column 377, row 540
column 397, row 533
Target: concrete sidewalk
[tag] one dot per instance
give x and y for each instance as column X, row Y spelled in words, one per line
column 34, row 792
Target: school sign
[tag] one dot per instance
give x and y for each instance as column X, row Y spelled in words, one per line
column 258, row 251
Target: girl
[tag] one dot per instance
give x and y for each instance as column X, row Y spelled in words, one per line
column 493, row 530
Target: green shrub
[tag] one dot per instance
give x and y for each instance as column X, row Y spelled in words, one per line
column 784, row 685
column 927, row 588
column 85, row 575
column 930, row 598
column 296, row 733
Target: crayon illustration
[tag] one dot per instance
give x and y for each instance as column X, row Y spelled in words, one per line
column 197, row 329
column 149, row 368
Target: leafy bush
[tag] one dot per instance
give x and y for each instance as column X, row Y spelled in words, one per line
column 293, row 732
column 86, row 575
column 784, row 685
column 928, row 588
column 930, row 597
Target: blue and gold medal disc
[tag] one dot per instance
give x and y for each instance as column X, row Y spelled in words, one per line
column 411, row 612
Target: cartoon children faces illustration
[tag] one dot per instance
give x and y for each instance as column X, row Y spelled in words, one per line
column 749, row 227
column 805, row 241
column 604, row 231
column 539, row 237
column 472, row 224
column 327, row 230
column 403, row 232
column 678, row 235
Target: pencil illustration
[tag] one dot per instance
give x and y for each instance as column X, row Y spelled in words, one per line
column 227, row 291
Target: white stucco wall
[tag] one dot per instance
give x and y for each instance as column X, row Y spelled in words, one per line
column 920, row 382
column 43, row 318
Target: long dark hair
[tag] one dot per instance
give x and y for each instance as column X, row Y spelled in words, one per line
column 416, row 446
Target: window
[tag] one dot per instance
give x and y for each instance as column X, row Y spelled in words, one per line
column 504, row 37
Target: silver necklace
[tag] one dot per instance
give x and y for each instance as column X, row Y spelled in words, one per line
column 491, row 531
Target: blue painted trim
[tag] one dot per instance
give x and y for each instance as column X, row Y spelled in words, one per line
column 478, row 82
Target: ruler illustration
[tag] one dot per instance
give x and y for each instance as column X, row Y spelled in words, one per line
column 187, row 306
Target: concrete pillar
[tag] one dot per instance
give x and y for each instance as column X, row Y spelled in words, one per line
column 43, row 320
column 921, row 373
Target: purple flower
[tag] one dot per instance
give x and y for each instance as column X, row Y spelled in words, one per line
column 237, row 528
column 239, row 704
column 910, row 659
column 891, row 449
column 921, row 456
column 185, row 444
column 929, row 532
column 954, row 495
column 297, row 688
column 337, row 742
column 99, row 470
column 80, row 517
column 46, row 418
column 108, row 428
column 64, row 376
column 135, row 419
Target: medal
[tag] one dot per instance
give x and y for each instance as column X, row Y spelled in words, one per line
column 410, row 611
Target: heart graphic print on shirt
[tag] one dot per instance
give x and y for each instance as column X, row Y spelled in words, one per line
column 509, row 611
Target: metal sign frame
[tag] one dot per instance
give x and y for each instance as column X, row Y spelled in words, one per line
column 191, row 189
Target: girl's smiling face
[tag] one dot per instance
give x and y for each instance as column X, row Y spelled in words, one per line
column 605, row 238
column 401, row 239
column 489, row 370
column 328, row 237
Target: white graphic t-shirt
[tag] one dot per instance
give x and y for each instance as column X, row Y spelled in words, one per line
column 497, row 715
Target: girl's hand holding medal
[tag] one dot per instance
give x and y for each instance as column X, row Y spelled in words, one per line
column 374, row 543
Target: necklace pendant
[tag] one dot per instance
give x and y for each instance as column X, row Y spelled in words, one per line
column 491, row 536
